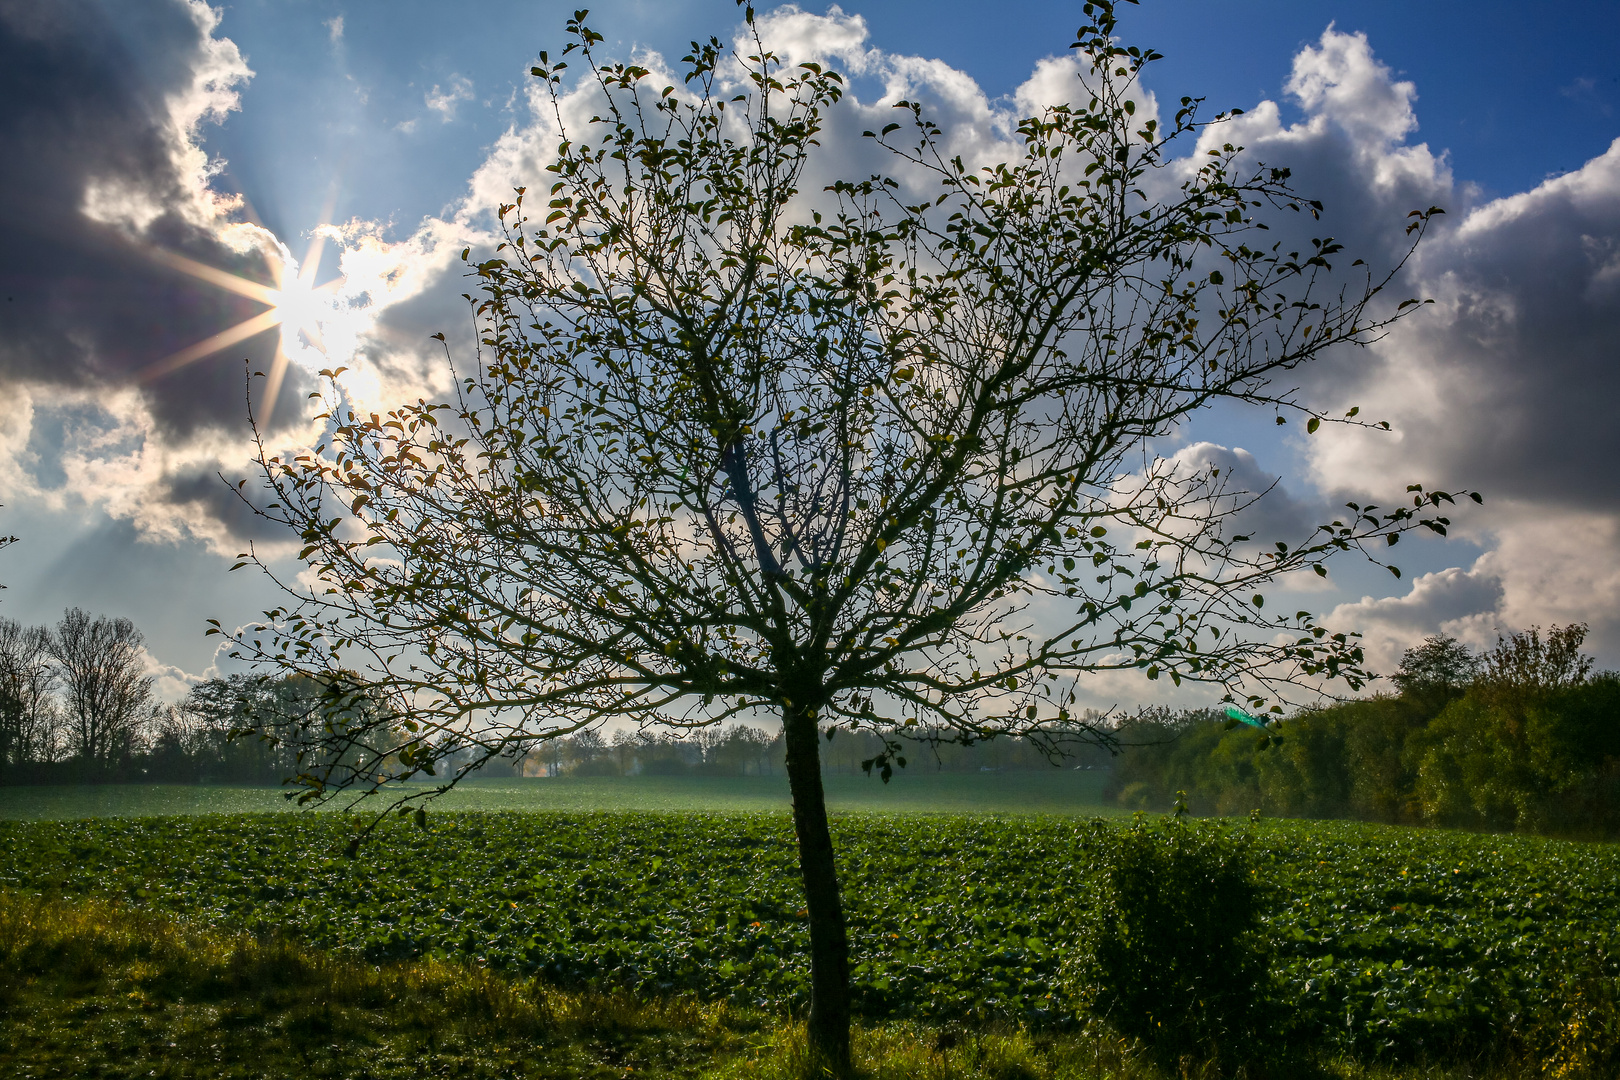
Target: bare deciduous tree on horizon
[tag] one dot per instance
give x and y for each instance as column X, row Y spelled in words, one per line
column 107, row 695
column 29, row 719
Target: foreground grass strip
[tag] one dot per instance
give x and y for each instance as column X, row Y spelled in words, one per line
column 100, row 989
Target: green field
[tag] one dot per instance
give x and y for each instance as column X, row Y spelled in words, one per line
column 1055, row 791
column 1388, row 940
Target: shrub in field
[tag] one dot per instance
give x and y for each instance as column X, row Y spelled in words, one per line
column 1172, row 952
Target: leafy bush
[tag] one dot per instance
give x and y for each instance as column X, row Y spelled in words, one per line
column 1172, row 953
column 1524, row 757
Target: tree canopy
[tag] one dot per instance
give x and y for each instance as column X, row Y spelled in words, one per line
column 857, row 458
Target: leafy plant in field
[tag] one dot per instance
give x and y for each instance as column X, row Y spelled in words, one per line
column 1172, row 950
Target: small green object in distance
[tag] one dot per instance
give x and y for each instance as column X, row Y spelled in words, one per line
column 1242, row 717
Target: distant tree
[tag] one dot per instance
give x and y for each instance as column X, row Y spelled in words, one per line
column 216, row 726
column 1519, row 750
column 1441, row 662
column 730, row 447
column 735, row 750
column 1526, row 660
column 624, row 743
column 587, row 754
column 665, row 757
column 107, row 695
column 29, row 718
column 550, row 757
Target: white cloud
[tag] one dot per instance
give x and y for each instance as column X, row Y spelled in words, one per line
column 334, row 28
column 169, row 683
column 445, row 101
column 1339, row 82
column 1261, row 506
column 1505, row 384
column 1458, row 602
column 209, row 93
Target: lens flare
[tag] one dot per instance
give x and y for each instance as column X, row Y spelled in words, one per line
column 295, row 304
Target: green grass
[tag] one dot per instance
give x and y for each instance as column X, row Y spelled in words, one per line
column 98, row 989
column 915, row 790
column 1390, row 943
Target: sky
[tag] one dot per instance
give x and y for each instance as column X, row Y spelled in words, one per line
column 185, row 186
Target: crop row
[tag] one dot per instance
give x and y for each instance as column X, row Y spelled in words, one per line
column 1385, row 937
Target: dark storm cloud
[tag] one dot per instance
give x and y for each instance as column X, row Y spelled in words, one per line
column 210, row 494
column 95, row 98
column 1525, row 344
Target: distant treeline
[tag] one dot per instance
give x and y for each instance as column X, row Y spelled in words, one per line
column 76, row 706
column 1524, row 737
column 742, row 750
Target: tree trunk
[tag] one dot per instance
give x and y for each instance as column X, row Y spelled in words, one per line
column 828, row 1028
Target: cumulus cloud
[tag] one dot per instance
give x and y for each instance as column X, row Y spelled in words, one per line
column 1260, row 506
column 1340, row 82
column 1457, row 602
column 1504, row 384
column 170, row 683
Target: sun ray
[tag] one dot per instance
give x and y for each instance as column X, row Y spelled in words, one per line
column 293, row 306
column 264, row 294
column 243, row 330
column 272, row 386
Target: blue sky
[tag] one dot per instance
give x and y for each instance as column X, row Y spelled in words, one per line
column 132, row 126
column 1509, row 103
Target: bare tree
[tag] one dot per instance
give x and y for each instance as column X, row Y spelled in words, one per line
column 28, row 712
column 732, row 448
column 107, row 694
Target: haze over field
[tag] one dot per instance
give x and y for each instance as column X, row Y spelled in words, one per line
column 184, row 186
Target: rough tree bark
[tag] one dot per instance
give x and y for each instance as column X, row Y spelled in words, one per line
column 828, row 1026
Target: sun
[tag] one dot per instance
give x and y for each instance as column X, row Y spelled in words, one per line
column 296, row 305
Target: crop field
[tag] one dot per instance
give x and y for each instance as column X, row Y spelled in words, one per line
column 918, row 790
column 1388, row 938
